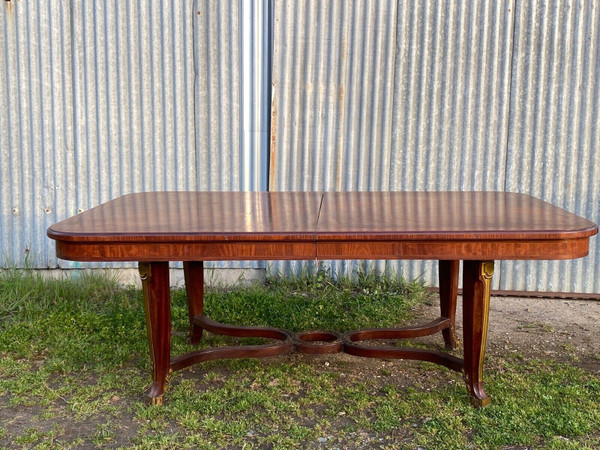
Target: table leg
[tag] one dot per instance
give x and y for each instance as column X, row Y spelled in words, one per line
column 155, row 283
column 448, row 278
column 477, row 277
column 193, row 272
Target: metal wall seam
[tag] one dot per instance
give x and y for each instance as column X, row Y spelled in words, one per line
column 332, row 69
column 415, row 97
column 231, row 82
column 6, row 162
column 255, row 77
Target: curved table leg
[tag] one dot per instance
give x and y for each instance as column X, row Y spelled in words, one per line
column 157, row 304
column 193, row 272
column 477, row 277
column 448, row 277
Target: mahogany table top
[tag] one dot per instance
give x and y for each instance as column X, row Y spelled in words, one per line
column 463, row 225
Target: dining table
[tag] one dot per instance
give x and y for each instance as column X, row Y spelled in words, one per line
column 472, row 227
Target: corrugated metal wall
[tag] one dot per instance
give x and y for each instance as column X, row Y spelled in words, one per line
column 553, row 149
column 103, row 98
column 100, row 103
column 421, row 95
column 37, row 158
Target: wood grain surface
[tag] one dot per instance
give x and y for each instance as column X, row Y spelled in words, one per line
column 444, row 216
column 188, row 226
column 195, row 216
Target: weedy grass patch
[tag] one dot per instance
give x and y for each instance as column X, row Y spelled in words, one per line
column 74, row 367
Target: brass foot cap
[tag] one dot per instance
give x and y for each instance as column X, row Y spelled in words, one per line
column 155, row 401
column 480, row 402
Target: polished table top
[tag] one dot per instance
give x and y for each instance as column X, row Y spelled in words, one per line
column 506, row 220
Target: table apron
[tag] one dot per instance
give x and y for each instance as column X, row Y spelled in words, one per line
column 330, row 249
column 185, row 251
column 454, row 249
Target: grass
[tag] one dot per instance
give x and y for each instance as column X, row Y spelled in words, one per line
column 74, row 366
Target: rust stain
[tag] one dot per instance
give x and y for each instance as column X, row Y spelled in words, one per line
column 273, row 149
column 338, row 170
column 340, row 96
column 8, row 6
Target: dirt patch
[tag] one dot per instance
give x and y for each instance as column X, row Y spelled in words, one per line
column 562, row 330
column 556, row 329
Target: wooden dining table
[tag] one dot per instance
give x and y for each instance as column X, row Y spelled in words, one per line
column 477, row 228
